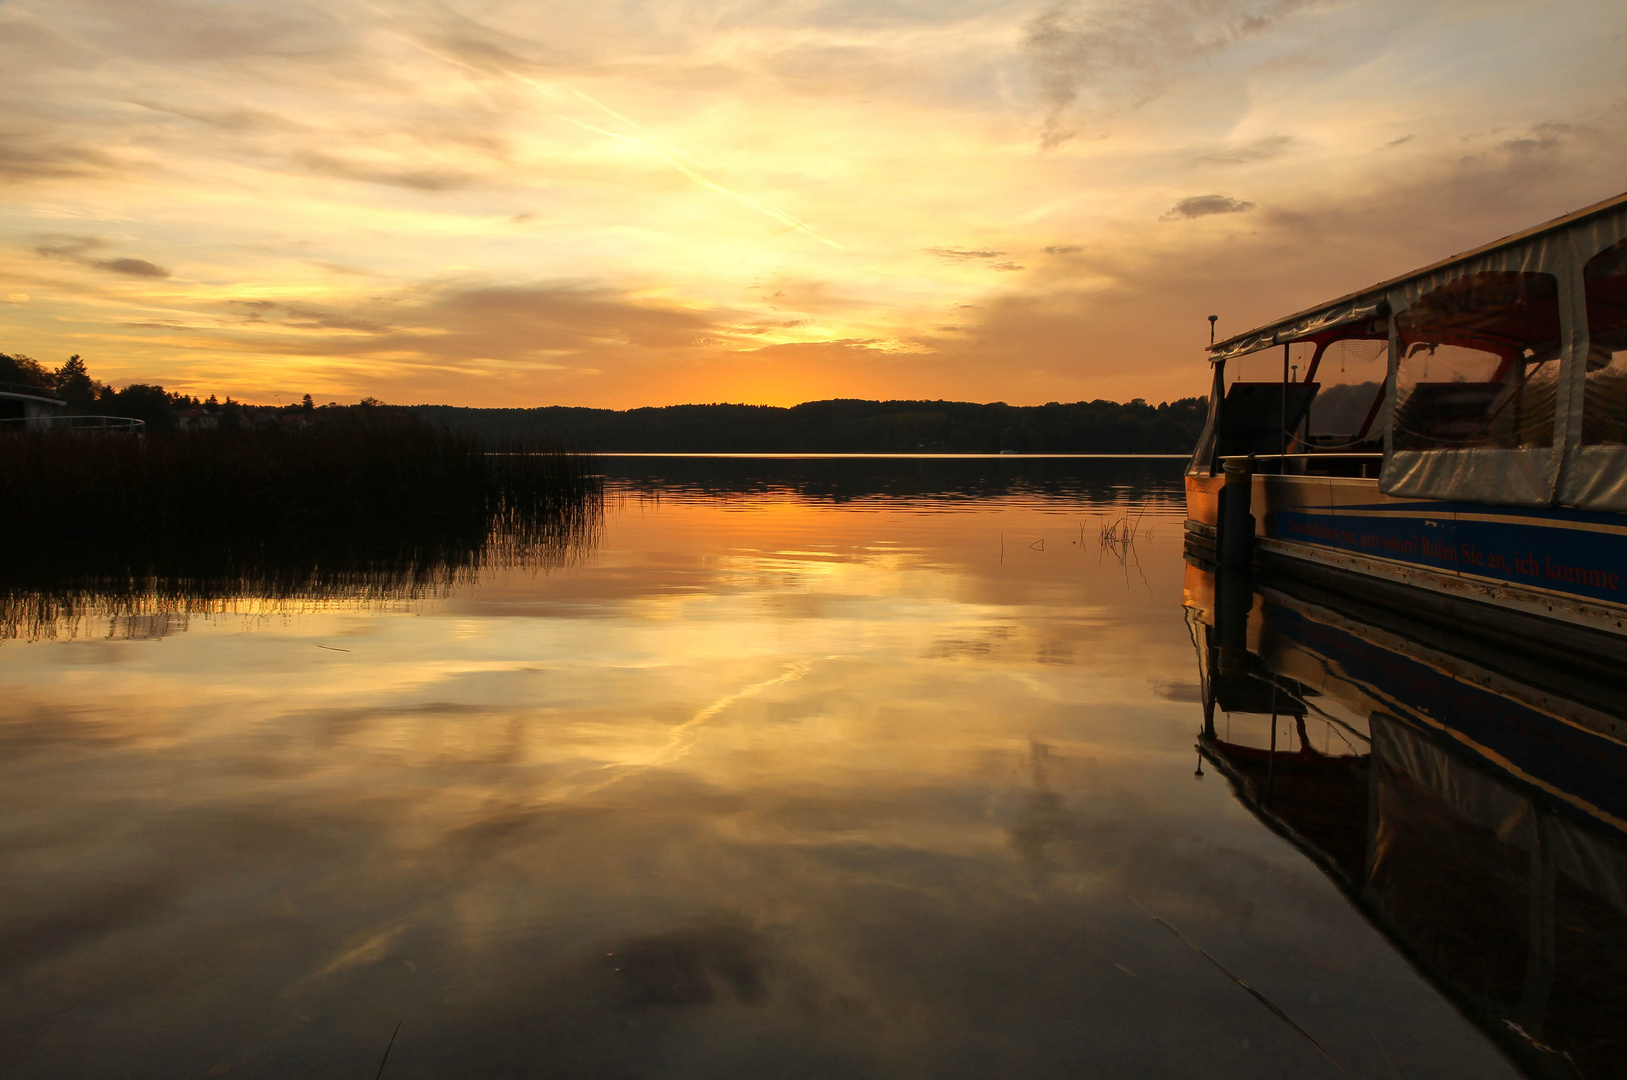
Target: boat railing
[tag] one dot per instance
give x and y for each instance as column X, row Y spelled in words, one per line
column 77, row 425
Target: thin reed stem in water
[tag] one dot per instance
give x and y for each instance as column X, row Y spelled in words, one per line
column 387, row 1047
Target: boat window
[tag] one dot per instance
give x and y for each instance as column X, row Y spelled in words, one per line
column 1262, row 415
column 1265, row 365
column 1479, row 364
column 1350, row 376
column 1604, row 401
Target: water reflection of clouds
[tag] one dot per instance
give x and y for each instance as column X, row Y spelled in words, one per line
column 842, row 832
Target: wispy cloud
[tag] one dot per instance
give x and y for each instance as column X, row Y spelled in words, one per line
column 82, row 249
column 1206, row 205
column 971, row 255
column 1268, row 148
column 559, row 323
column 477, row 48
column 1543, row 138
column 416, row 179
column 36, row 156
column 962, row 254
column 1117, row 54
column 304, row 316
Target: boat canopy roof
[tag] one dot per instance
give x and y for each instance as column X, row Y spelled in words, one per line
column 1350, row 314
column 21, row 392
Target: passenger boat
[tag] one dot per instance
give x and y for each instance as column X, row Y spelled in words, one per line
column 1470, row 802
column 1452, row 441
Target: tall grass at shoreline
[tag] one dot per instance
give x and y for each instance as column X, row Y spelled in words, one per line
column 373, row 503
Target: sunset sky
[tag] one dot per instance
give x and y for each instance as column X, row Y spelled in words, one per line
column 484, row 202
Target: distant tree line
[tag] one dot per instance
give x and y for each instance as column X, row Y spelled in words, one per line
column 159, row 408
column 849, row 426
column 264, row 501
column 837, row 426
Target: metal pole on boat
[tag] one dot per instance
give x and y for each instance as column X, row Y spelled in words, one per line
column 1235, row 530
column 1282, row 433
column 1234, row 587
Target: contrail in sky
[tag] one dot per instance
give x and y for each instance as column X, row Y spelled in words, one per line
column 671, row 157
column 688, row 170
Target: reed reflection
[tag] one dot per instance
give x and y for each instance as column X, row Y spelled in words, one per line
column 1473, row 807
column 140, row 533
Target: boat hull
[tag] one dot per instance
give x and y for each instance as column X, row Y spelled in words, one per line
column 1555, row 564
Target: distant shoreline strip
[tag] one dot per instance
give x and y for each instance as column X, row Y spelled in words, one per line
column 945, row 457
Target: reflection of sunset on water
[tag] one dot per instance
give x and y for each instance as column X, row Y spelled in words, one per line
column 750, row 781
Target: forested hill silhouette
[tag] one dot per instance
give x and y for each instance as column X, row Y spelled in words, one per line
column 843, row 425
column 850, row 426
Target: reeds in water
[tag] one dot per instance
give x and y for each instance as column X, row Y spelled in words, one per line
column 369, row 503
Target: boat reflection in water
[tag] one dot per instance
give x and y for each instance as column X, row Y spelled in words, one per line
column 1473, row 807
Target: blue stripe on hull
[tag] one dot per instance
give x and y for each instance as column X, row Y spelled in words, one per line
column 1588, row 767
column 1558, row 515
column 1540, row 554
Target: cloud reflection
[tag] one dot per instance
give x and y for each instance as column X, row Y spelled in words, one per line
column 830, row 842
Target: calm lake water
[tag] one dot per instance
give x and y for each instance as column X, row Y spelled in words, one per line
column 798, row 768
